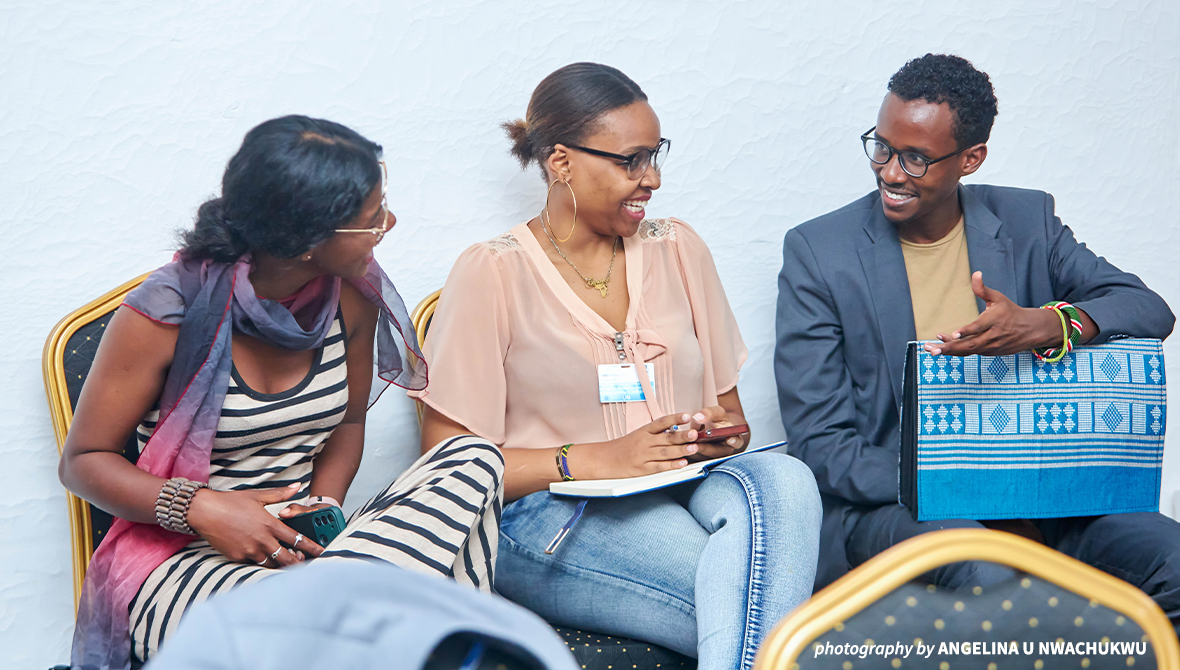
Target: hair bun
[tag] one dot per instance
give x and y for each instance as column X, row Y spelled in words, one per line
column 518, row 133
column 212, row 235
column 565, row 109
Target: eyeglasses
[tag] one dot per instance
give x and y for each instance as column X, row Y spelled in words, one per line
column 379, row 230
column 637, row 162
column 913, row 163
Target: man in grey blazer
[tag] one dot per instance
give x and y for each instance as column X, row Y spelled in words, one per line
column 924, row 257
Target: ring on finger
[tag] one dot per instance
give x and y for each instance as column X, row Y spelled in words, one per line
column 275, row 556
column 263, row 561
column 298, row 539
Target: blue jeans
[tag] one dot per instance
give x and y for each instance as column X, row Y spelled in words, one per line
column 705, row 569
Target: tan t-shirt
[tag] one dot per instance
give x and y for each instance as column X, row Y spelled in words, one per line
column 940, row 284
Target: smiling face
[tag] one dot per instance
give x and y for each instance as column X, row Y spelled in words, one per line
column 931, row 201
column 609, row 202
column 347, row 254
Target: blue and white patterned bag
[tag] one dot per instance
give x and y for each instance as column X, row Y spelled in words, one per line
column 1011, row 437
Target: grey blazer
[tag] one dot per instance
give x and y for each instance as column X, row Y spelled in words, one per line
column 844, row 318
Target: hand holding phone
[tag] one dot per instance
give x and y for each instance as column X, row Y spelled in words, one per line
column 721, row 433
column 320, row 525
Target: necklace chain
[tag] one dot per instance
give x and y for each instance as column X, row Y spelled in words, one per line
column 600, row 285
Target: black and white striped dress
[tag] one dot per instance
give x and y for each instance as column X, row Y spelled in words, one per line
column 441, row 516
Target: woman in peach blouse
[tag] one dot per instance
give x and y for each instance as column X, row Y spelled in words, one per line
column 526, row 323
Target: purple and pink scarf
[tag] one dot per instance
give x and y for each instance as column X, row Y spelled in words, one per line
column 209, row 301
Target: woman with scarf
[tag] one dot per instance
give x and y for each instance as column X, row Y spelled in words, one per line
column 245, row 367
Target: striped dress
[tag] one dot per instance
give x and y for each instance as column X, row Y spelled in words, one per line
column 441, row 516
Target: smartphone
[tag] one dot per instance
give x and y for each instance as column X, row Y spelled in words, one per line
column 721, row 433
column 321, row 525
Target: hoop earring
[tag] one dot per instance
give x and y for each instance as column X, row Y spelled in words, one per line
column 545, row 212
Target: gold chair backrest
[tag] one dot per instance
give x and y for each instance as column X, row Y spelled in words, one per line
column 420, row 317
column 898, row 565
column 61, row 411
column 422, row 314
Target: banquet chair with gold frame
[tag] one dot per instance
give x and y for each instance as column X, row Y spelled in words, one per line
column 593, row 651
column 1054, row 599
column 69, row 352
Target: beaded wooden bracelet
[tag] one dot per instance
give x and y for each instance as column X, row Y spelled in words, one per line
column 172, row 504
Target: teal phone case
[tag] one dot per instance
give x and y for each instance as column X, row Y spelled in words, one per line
column 321, row 525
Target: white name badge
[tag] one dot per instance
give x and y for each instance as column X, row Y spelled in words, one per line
column 620, row 383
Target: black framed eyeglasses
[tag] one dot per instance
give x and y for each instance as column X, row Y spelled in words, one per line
column 913, row 163
column 637, row 162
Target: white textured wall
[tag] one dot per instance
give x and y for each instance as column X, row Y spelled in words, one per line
column 117, row 118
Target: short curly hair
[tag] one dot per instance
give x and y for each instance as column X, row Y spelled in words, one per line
column 939, row 78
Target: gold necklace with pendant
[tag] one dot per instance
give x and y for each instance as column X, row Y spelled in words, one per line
column 600, row 285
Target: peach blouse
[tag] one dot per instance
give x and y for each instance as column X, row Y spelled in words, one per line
column 513, row 351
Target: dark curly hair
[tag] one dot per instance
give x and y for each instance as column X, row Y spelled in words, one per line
column 565, row 108
column 939, row 78
column 294, row 180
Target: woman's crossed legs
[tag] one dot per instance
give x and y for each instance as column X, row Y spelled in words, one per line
column 441, row 516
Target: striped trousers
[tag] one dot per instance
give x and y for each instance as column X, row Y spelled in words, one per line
column 442, row 516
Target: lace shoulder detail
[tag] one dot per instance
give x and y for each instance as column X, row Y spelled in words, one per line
column 657, row 230
column 502, row 244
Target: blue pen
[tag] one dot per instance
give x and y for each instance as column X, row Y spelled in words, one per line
column 569, row 525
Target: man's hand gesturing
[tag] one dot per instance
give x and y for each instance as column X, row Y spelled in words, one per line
column 1003, row 328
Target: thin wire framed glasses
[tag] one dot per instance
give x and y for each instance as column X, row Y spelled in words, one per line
column 637, row 162
column 913, row 163
column 377, row 231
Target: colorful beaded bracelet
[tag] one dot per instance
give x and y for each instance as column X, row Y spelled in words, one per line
column 563, row 466
column 1071, row 329
column 1075, row 320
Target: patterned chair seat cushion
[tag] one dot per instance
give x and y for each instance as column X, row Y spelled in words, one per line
column 595, row 651
column 1020, row 623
